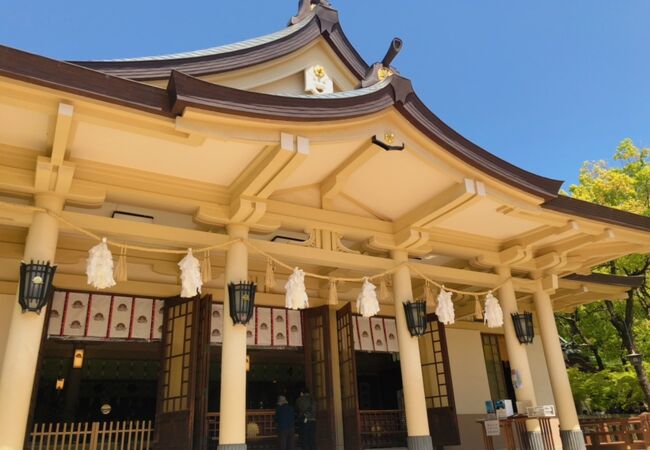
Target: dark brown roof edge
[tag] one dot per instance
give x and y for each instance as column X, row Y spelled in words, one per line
column 587, row 210
column 633, row 282
column 325, row 22
column 187, row 91
column 431, row 125
column 67, row 77
column 332, row 31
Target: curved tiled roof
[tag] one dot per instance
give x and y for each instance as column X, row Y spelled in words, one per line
column 228, row 48
column 321, row 22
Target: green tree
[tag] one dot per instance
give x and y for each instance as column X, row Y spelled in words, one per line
column 610, row 330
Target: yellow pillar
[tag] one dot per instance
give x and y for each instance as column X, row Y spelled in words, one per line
column 6, row 306
column 417, row 423
column 24, row 335
column 570, row 432
column 232, row 421
column 518, row 357
column 524, row 389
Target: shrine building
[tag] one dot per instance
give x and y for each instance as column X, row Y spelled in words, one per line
column 274, row 158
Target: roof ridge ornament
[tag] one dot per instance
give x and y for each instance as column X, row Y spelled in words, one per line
column 305, row 7
column 380, row 71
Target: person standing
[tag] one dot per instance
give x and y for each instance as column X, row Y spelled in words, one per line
column 306, row 413
column 284, row 417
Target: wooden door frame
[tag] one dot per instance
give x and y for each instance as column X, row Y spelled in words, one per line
column 197, row 329
column 324, row 312
column 455, row 439
column 351, row 431
column 202, row 375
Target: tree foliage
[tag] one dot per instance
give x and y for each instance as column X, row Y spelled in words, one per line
column 604, row 333
column 624, row 186
column 609, row 390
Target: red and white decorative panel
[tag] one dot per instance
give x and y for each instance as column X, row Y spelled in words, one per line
column 216, row 324
column 263, row 325
column 118, row 317
column 99, row 311
column 364, row 334
column 269, row 327
column 251, row 329
column 103, row 316
column 376, row 334
column 279, row 329
column 75, row 314
column 143, row 311
column 157, row 325
column 56, row 314
column 391, row 335
column 294, row 325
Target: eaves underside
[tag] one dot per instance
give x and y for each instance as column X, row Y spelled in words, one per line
column 185, row 90
column 631, row 282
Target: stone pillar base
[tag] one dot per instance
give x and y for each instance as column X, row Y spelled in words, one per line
column 419, row 443
column 573, row 440
column 231, row 447
column 535, row 440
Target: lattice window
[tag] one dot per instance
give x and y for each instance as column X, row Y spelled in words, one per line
column 319, row 363
column 177, row 359
column 346, row 362
column 494, row 365
column 433, row 368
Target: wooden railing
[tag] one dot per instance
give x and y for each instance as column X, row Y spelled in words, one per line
column 617, row 433
column 379, row 429
column 383, row 428
column 515, row 433
column 261, row 429
column 126, row 435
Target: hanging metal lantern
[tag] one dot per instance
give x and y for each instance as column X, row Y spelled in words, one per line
column 636, row 359
column 524, row 327
column 242, row 301
column 416, row 317
column 35, row 285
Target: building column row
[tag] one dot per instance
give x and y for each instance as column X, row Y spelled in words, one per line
column 20, row 359
column 417, row 421
column 232, row 429
column 570, row 432
column 18, row 365
column 232, row 417
column 522, row 379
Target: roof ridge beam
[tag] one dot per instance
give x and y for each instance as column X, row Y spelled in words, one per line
column 334, row 183
column 532, row 238
column 61, row 133
column 451, row 200
column 271, row 167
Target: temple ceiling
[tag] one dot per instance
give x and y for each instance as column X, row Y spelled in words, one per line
column 296, row 136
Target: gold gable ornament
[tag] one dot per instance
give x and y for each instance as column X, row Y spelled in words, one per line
column 317, row 81
column 383, row 73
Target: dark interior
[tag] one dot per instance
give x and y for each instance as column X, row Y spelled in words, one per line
column 125, row 376
column 379, row 381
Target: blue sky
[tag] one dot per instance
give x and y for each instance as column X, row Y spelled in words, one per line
column 545, row 85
